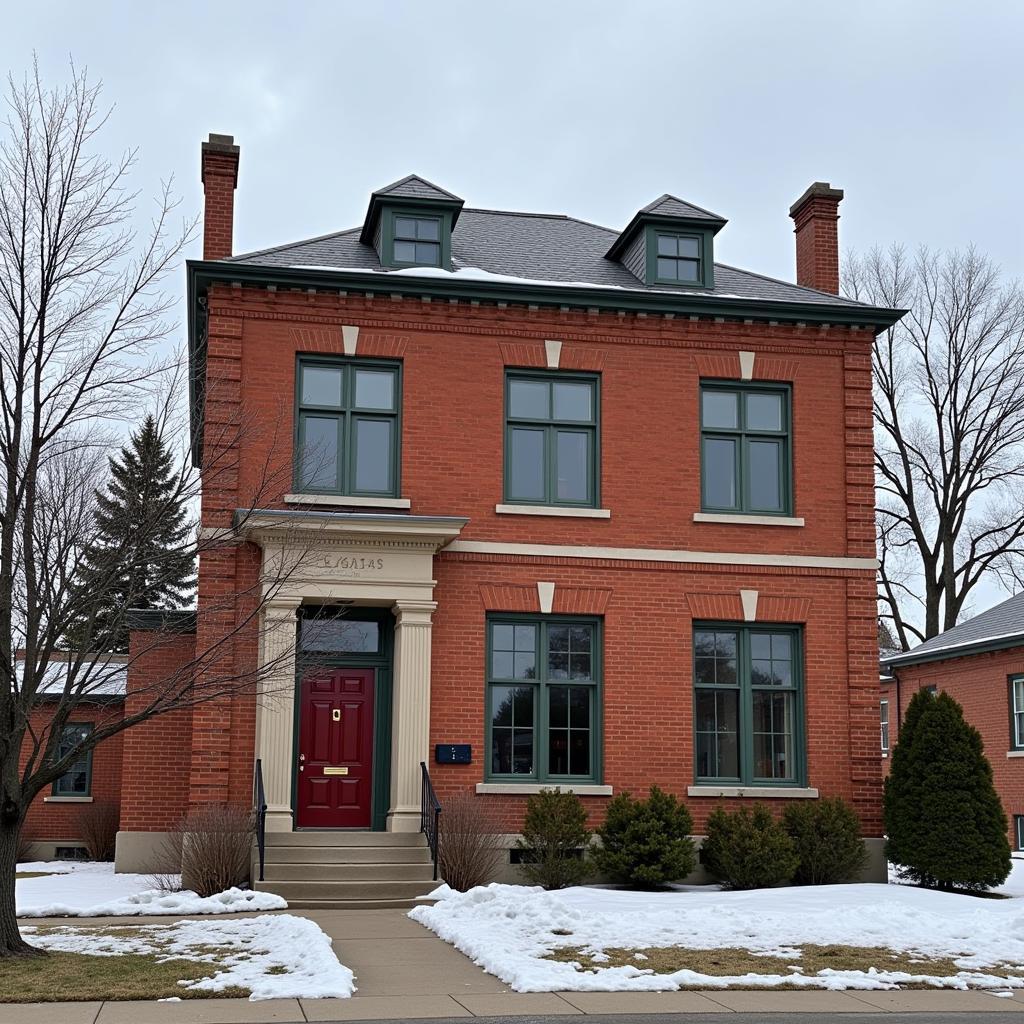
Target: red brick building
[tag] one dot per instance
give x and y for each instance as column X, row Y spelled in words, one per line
column 980, row 664
column 577, row 506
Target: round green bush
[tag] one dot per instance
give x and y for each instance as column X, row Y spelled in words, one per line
column 748, row 849
column 945, row 825
column 828, row 841
column 555, row 838
column 646, row 843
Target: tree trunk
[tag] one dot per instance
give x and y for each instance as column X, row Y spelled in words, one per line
column 11, row 942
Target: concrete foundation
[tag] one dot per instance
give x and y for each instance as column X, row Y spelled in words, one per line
column 147, row 853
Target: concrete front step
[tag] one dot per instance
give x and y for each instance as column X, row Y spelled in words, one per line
column 355, row 893
column 341, row 838
column 275, row 872
column 347, row 855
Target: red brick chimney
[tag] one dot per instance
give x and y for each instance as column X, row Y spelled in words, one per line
column 219, row 165
column 816, row 215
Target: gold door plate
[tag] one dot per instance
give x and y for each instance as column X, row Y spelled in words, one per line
column 336, row 771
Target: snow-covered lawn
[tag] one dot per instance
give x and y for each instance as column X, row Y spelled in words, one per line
column 275, row 957
column 91, row 889
column 511, row 931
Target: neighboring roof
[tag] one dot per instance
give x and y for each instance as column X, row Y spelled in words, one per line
column 105, row 678
column 179, row 620
column 995, row 629
column 536, row 248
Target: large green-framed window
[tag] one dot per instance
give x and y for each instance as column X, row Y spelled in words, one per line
column 1017, row 712
column 551, row 438
column 543, row 698
column 348, row 429
column 746, row 449
column 77, row 780
column 748, row 704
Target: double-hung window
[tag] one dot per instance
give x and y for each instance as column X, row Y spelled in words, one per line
column 883, row 716
column 348, row 427
column 1017, row 712
column 748, row 713
column 417, row 241
column 77, row 780
column 1018, row 829
column 745, row 449
column 551, row 439
column 678, row 259
column 543, row 695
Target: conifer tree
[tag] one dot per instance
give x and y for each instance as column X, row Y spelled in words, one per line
column 946, row 827
column 141, row 556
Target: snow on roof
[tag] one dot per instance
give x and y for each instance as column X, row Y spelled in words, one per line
column 104, row 677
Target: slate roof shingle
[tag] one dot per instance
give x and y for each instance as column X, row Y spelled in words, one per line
column 415, row 187
column 673, row 206
column 1004, row 621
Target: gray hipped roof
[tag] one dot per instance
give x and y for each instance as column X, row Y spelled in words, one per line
column 412, row 186
column 672, row 206
column 541, row 248
column 1001, row 625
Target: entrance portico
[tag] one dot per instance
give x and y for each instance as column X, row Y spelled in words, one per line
column 358, row 559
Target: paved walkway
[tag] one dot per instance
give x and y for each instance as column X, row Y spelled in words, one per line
column 404, row 971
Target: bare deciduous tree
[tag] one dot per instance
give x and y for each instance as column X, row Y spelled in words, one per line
column 949, row 432
column 84, row 324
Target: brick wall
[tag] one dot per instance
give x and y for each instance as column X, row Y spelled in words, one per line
column 979, row 684
column 452, row 439
column 59, row 822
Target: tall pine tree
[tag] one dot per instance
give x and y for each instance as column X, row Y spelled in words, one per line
column 945, row 825
column 140, row 557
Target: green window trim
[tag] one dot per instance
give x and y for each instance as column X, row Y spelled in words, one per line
column 744, row 440
column 1018, row 830
column 344, row 420
column 1015, row 687
column 739, row 684
column 390, row 216
column 542, row 684
column 71, row 783
column 704, row 258
column 552, row 430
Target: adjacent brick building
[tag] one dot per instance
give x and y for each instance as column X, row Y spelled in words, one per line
column 576, row 506
column 980, row 664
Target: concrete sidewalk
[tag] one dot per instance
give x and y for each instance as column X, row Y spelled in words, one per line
column 404, row 971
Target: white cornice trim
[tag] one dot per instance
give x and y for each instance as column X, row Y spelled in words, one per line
column 487, row 547
column 553, row 510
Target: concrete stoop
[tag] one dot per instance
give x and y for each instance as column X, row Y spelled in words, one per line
column 338, row 870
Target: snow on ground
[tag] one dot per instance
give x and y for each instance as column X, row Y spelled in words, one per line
column 507, row 930
column 92, row 889
column 1014, row 885
column 241, row 952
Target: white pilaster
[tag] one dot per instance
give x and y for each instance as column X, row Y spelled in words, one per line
column 410, row 726
column 275, row 710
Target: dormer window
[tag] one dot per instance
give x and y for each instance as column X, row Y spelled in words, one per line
column 678, row 258
column 417, row 241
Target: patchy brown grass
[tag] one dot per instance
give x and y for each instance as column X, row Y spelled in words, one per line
column 32, row 874
column 71, row 977
column 734, row 962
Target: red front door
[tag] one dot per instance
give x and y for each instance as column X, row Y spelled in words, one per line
column 336, row 749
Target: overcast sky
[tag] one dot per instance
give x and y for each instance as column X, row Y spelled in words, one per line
column 591, row 109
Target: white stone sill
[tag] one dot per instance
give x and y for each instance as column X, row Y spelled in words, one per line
column 759, row 792
column 1015, row 753
column 529, row 788
column 553, row 510
column 729, row 519
column 67, row 799
column 348, row 500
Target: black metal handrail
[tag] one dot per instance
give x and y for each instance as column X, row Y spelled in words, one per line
column 260, row 810
column 430, row 814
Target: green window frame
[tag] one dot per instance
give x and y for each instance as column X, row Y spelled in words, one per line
column 416, row 240
column 883, row 725
column 1016, row 707
column 348, row 427
column 552, row 438
column 679, row 256
column 748, row 704
column 741, row 425
column 77, row 780
column 543, row 699
column 1018, row 830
